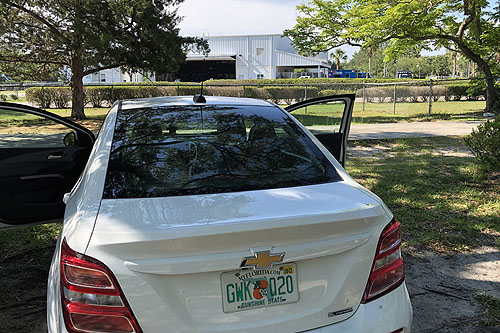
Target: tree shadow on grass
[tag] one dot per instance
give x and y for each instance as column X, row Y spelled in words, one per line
column 440, row 200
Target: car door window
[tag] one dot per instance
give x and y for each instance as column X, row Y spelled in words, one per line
column 329, row 119
column 40, row 160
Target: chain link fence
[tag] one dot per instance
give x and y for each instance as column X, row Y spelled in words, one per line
column 390, row 97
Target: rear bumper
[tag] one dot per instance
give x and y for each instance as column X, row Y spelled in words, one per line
column 385, row 314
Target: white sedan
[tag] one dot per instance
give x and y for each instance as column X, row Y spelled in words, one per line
column 204, row 214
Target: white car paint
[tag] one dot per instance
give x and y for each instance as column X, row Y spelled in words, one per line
column 163, row 250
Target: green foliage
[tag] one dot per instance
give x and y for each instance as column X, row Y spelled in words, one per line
column 3, row 98
column 485, row 144
column 313, row 81
column 90, row 35
column 402, row 27
column 39, row 96
column 491, row 306
column 456, row 91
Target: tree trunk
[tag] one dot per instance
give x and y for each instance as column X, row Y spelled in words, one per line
column 492, row 95
column 492, row 103
column 77, row 102
column 454, row 58
column 370, row 61
column 338, row 63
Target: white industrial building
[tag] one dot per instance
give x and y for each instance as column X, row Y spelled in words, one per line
column 233, row 57
column 251, row 57
column 114, row 75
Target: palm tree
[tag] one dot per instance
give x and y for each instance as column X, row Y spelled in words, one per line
column 339, row 56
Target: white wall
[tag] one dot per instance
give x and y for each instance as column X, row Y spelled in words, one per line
column 115, row 75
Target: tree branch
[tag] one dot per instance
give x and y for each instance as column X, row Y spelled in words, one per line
column 97, row 69
column 471, row 12
column 37, row 17
column 31, row 61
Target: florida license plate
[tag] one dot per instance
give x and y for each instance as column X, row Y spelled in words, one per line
column 256, row 288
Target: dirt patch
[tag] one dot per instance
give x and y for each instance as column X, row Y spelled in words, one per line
column 23, row 277
column 444, row 288
column 379, row 151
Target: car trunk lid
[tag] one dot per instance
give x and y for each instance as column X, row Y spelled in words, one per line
column 169, row 253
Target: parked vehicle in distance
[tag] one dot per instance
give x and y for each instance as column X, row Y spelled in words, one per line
column 347, row 73
column 204, row 214
column 4, row 78
column 404, row 75
column 304, row 77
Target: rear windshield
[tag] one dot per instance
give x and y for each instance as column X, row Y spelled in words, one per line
column 189, row 150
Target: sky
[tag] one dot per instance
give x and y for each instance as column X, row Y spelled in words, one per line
column 237, row 17
column 241, row 17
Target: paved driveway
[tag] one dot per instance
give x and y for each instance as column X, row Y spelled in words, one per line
column 404, row 130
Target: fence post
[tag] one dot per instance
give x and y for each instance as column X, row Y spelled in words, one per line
column 43, row 98
column 305, row 98
column 244, row 91
column 394, row 100
column 430, row 98
column 364, row 87
column 112, row 94
column 178, row 89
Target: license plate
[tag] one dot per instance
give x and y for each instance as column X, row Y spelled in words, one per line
column 255, row 288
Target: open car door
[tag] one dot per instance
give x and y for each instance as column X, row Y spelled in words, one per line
column 335, row 112
column 41, row 157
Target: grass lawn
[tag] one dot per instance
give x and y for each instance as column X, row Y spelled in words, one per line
column 443, row 202
column 383, row 112
column 12, row 96
column 27, row 123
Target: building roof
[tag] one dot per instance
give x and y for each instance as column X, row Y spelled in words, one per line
column 198, row 57
column 290, row 59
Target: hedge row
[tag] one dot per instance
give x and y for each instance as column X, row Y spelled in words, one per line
column 99, row 96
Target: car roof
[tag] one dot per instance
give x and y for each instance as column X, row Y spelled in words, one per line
column 188, row 100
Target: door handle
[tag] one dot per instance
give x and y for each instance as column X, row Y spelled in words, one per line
column 55, row 156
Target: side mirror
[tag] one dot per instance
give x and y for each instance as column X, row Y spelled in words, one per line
column 70, row 139
column 66, row 197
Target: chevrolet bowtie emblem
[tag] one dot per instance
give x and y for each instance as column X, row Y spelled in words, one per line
column 262, row 260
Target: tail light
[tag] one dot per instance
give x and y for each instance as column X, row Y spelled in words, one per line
column 91, row 297
column 388, row 269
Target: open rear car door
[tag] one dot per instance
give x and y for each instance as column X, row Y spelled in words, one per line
column 41, row 157
column 336, row 112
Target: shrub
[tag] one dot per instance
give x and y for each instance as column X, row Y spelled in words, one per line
column 456, row 91
column 438, row 92
column 424, row 92
column 188, row 90
column 224, row 91
column 384, row 93
column 3, row 98
column 96, row 96
column 485, row 144
column 371, row 93
column 13, row 97
column 403, row 93
column 60, row 97
column 39, row 96
column 476, row 90
column 330, row 92
column 167, row 91
column 255, row 92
